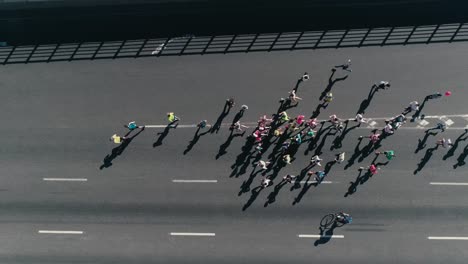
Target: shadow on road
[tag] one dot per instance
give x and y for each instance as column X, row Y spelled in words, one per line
column 455, row 145
column 331, row 83
column 217, row 125
column 163, row 135
column 117, row 151
column 194, row 140
column 425, row 159
column 461, row 158
column 422, row 142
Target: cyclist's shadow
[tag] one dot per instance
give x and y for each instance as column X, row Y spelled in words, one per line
column 325, row 234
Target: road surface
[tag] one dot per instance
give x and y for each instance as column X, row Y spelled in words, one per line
column 62, row 203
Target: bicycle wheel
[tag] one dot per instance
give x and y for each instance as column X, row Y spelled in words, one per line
column 327, row 220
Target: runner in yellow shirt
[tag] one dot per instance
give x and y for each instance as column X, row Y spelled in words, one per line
column 117, row 139
column 171, row 117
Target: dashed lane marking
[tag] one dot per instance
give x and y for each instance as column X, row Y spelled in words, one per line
column 66, row 179
column 446, row 238
column 319, row 236
column 372, row 122
column 63, row 232
column 325, row 182
column 450, row 183
column 192, row 234
column 195, row 181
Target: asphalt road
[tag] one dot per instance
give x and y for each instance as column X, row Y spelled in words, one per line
column 58, row 117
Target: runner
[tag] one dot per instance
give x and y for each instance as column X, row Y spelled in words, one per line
column 360, row 119
column 388, row 129
column 315, row 160
column 287, row 159
column 263, row 164
column 327, row 99
column 284, row 116
column 446, row 143
column 383, row 85
column 132, row 126
column 289, row 178
column 117, row 139
column 293, row 97
column 202, row 124
column 265, row 182
column 372, row 169
column 237, row 126
column 389, row 154
column 312, row 123
column 230, row 102
column 413, row 106
column 300, row 120
column 319, row 176
column 344, row 67
column 171, row 117
column 374, row 138
column 340, row 157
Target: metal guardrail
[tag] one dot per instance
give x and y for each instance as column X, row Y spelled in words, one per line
column 195, row 45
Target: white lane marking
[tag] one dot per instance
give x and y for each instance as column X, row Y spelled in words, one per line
column 319, row 236
column 325, row 182
column 450, row 183
column 192, row 234
column 196, row 181
column 446, row 238
column 163, row 126
column 65, row 179
column 66, row 232
column 253, row 124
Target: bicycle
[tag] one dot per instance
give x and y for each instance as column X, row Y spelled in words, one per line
column 334, row 219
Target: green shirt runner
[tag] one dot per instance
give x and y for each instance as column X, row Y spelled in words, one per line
column 389, row 154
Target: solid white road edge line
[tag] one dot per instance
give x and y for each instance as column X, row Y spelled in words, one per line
column 319, row 236
column 65, row 179
column 192, row 234
column 450, row 183
column 67, row 232
column 195, row 181
column 447, row 238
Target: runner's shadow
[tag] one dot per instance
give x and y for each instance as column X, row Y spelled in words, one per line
column 194, row 140
column 360, row 179
column 254, row 194
column 164, row 134
column 300, row 177
column 238, row 116
column 117, row 151
column 318, row 150
column 313, row 141
column 356, row 154
column 217, row 125
column 455, row 145
column 272, row 196
column 304, row 190
column 461, row 158
column 225, row 145
column 331, row 82
column 240, row 159
column 325, row 235
column 316, row 112
column 366, row 102
column 245, row 187
column 418, row 112
column 338, row 141
column 422, row 142
column 425, row 159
